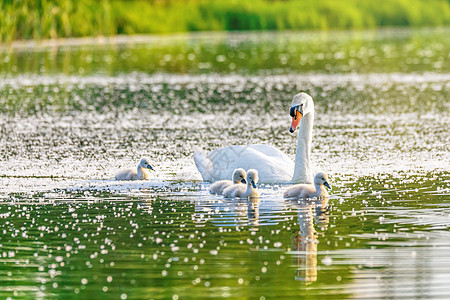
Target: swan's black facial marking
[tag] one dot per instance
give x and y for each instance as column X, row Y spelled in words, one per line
column 147, row 165
column 243, row 179
column 294, row 109
column 327, row 185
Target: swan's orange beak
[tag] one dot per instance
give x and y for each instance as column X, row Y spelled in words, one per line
column 295, row 121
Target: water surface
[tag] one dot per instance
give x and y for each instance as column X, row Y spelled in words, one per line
column 71, row 116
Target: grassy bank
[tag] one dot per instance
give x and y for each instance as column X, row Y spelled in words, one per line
column 41, row 19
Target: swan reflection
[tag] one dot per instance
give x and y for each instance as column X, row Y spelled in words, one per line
column 229, row 212
column 310, row 214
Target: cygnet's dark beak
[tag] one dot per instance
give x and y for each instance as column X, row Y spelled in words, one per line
column 327, row 185
column 253, row 184
column 243, row 180
column 150, row 168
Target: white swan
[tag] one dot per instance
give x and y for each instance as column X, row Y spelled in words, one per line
column 218, row 186
column 138, row 173
column 273, row 165
column 309, row 190
column 244, row 191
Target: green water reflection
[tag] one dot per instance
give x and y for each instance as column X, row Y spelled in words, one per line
column 157, row 247
column 402, row 50
column 71, row 115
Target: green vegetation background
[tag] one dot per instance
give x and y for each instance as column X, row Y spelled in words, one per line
column 41, row 19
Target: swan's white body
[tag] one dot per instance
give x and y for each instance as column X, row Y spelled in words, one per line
column 138, row 173
column 218, row 186
column 272, row 165
column 244, row 191
column 309, row 190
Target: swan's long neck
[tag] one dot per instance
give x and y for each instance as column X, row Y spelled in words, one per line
column 318, row 187
column 249, row 188
column 140, row 171
column 302, row 169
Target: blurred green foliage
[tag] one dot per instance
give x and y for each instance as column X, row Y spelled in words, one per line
column 38, row 19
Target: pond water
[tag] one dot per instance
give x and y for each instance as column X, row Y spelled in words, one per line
column 73, row 114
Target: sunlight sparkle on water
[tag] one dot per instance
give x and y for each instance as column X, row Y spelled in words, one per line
column 381, row 134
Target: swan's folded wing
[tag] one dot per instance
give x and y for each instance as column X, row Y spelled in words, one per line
column 218, row 186
column 269, row 151
column 273, row 168
column 127, row 174
column 236, row 190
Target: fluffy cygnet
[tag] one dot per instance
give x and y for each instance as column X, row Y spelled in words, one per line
column 242, row 191
column 237, row 178
column 309, row 190
column 139, row 173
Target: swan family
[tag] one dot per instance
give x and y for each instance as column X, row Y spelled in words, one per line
column 273, row 165
column 265, row 164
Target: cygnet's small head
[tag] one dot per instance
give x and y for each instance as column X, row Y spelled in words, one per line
column 322, row 178
column 252, row 177
column 239, row 176
column 145, row 163
column 302, row 104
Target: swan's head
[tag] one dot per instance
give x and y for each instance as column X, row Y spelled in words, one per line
column 302, row 104
column 252, row 177
column 239, row 176
column 145, row 163
column 321, row 178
